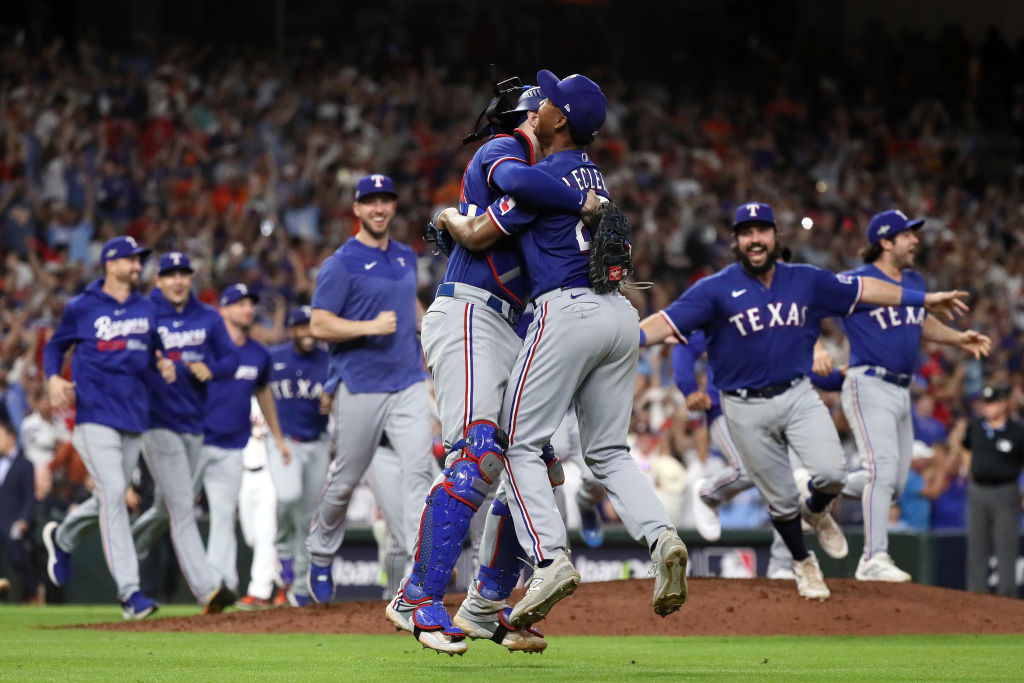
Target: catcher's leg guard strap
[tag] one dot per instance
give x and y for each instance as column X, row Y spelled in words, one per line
column 499, row 572
column 450, row 507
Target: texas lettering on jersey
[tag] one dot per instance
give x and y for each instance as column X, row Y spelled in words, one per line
column 250, row 372
column 892, row 316
column 300, row 388
column 779, row 314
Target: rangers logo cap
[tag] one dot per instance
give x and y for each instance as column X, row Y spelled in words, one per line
column 173, row 262
column 237, row 292
column 300, row 315
column 579, row 98
column 374, row 183
column 888, row 224
column 123, row 247
column 753, row 212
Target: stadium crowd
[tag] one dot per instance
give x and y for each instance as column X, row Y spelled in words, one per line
column 249, row 167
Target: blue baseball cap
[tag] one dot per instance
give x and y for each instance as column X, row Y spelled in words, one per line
column 300, row 315
column 123, row 247
column 579, row 98
column 237, row 292
column 173, row 262
column 753, row 212
column 888, row 224
column 374, row 184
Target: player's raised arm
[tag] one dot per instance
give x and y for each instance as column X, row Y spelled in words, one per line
column 474, row 233
column 880, row 293
column 971, row 341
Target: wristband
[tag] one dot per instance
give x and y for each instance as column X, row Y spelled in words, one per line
column 643, row 338
column 912, row 297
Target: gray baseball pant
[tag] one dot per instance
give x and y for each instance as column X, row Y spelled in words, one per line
column 734, row 481
column 993, row 513
column 765, row 429
column 148, row 526
column 880, row 418
column 361, row 419
column 385, row 468
column 580, row 347
column 110, row 456
column 168, row 455
column 298, row 487
column 220, row 471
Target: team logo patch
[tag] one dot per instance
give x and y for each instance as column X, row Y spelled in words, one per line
column 614, row 273
column 506, row 205
column 844, row 278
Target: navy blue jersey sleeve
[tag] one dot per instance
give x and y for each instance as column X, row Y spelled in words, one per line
column 63, row 337
column 836, row 294
column 332, row 286
column 683, row 361
column 537, row 188
column 224, row 358
column 510, row 217
column 691, row 311
column 831, row 382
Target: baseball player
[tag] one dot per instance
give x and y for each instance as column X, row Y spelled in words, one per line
column 470, row 343
column 297, row 377
column 884, row 349
column 227, row 427
column 196, row 340
column 117, row 348
column 581, row 347
column 365, row 307
column 756, row 314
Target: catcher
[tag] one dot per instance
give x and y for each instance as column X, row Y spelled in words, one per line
column 582, row 346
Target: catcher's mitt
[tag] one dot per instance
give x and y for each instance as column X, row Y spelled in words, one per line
column 441, row 238
column 610, row 261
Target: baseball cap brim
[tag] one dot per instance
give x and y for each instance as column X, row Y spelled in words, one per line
column 176, row 269
column 548, row 83
column 914, row 224
column 141, row 252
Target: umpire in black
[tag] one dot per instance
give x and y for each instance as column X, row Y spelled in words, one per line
column 996, row 443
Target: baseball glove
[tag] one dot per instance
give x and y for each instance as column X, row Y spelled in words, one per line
column 610, row 261
column 441, row 238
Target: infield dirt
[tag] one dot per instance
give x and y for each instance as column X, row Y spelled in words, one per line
column 716, row 607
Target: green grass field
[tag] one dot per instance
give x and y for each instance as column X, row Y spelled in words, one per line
column 32, row 649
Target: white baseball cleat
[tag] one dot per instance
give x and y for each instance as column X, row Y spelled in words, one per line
column 781, row 574
column 802, row 478
column 547, row 586
column 705, row 517
column 810, row 583
column 880, row 568
column 830, row 535
column 670, row 558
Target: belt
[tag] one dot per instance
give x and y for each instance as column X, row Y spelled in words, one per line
column 899, row 379
column 763, row 392
column 503, row 308
column 255, row 469
column 578, row 283
column 990, row 482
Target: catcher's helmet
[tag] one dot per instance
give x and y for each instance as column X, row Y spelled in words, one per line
column 529, row 100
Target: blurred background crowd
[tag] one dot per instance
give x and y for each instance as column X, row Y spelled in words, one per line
column 244, row 156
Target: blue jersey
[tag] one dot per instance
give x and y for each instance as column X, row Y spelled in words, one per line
column 114, row 353
column 228, row 422
column 557, row 245
column 684, row 357
column 501, row 166
column 887, row 336
column 761, row 336
column 196, row 334
column 297, row 382
column 357, row 282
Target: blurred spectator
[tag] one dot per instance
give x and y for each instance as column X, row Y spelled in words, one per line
column 41, row 433
column 17, row 511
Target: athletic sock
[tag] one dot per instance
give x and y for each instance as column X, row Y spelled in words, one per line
column 818, row 500
column 544, row 563
column 792, row 536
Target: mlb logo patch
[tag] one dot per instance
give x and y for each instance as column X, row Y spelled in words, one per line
column 506, row 205
column 615, row 273
column 845, row 279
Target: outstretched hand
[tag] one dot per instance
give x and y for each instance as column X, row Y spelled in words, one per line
column 975, row 343
column 946, row 304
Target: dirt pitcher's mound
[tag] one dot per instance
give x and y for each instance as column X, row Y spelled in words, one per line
column 756, row 607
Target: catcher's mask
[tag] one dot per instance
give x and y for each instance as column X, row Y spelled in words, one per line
column 501, row 115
